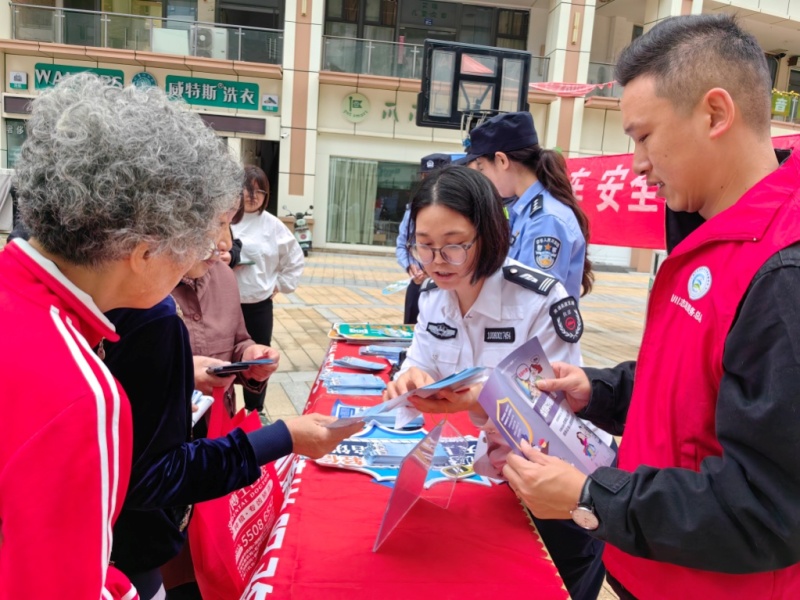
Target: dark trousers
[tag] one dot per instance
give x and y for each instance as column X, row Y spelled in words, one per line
column 411, row 311
column 577, row 556
column 258, row 320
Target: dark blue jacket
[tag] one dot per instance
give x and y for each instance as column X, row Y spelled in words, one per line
column 153, row 362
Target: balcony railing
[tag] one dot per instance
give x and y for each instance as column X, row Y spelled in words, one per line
column 153, row 34
column 603, row 73
column 389, row 59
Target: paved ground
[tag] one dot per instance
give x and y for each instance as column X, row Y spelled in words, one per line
column 339, row 287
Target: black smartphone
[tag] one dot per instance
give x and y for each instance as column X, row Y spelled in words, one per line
column 237, row 367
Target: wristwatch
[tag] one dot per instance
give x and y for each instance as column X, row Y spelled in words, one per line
column 583, row 514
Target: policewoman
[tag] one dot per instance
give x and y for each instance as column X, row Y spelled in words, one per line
column 549, row 231
column 477, row 306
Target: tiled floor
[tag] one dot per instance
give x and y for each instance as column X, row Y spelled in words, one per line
column 339, row 287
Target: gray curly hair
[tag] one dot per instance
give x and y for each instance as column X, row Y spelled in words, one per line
column 105, row 168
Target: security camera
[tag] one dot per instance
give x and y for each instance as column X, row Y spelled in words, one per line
column 284, row 135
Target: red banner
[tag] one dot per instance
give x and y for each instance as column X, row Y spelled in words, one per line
column 622, row 209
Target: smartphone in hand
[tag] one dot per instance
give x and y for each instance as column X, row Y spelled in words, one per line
column 237, row 367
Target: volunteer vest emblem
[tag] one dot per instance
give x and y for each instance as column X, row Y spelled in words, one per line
column 442, row 331
column 545, row 251
column 567, row 320
column 699, row 283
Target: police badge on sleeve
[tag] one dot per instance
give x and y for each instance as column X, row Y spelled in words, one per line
column 545, row 251
column 567, row 319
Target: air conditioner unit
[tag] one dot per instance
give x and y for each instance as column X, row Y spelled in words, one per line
column 211, row 43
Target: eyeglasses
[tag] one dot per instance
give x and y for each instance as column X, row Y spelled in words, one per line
column 259, row 195
column 455, row 254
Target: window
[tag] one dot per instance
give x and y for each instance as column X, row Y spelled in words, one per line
column 512, row 29
column 366, row 200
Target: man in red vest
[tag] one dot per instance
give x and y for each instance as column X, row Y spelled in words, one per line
column 706, row 500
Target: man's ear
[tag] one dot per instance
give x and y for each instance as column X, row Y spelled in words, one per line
column 720, row 110
column 139, row 258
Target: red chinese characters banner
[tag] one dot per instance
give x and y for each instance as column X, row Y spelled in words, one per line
column 622, row 209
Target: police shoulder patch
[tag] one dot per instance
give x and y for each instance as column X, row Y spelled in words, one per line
column 428, row 285
column 567, row 319
column 529, row 278
column 545, row 251
column 537, row 204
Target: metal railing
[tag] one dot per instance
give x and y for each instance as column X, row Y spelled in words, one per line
column 603, row 73
column 153, row 34
column 389, row 59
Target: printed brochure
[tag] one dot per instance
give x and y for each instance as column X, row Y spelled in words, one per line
column 521, row 411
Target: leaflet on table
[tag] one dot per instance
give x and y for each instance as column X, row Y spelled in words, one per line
column 521, row 411
column 351, row 362
column 368, row 331
column 378, row 451
column 352, row 384
column 454, row 383
column 352, row 414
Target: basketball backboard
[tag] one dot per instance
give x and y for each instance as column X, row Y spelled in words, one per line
column 465, row 83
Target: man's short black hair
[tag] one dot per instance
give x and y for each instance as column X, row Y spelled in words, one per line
column 689, row 55
column 471, row 194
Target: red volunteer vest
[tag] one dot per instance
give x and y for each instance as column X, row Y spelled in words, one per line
column 671, row 419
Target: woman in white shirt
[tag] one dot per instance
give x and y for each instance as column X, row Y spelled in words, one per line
column 477, row 307
column 271, row 262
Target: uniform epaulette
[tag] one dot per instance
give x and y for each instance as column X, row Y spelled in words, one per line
column 428, row 285
column 537, row 204
column 529, row 278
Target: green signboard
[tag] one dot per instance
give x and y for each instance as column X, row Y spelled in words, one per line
column 47, row 75
column 781, row 104
column 214, row 92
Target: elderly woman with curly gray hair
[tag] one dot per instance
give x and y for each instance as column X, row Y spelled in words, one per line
column 121, row 191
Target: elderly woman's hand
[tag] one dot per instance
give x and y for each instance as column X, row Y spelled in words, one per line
column 261, row 372
column 205, row 382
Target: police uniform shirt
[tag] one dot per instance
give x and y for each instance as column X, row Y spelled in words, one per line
column 545, row 235
column 504, row 316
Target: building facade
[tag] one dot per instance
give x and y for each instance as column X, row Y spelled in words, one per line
column 322, row 93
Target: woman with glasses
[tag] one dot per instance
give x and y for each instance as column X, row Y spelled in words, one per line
column 479, row 306
column 271, row 262
column 549, row 231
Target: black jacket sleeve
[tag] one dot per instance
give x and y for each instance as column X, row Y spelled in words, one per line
column 153, row 363
column 611, row 396
column 739, row 513
column 235, row 251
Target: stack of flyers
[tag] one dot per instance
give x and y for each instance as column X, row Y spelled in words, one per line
column 353, row 384
column 389, row 352
column 351, row 362
column 353, row 414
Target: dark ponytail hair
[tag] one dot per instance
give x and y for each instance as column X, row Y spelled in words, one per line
column 551, row 169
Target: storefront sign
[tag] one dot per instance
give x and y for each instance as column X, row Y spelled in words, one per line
column 214, row 92
column 355, row 107
column 144, row 80
column 269, row 102
column 47, row 75
column 18, row 80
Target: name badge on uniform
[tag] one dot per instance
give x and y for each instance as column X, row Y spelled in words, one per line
column 442, row 331
column 567, row 320
column 499, row 335
column 545, row 251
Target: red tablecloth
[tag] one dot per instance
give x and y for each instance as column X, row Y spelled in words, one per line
column 483, row 544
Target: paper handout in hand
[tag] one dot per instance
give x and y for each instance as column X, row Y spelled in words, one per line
column 348, row 414
column 520, row 410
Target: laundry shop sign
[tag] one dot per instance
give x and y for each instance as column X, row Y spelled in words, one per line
column 46, row 75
